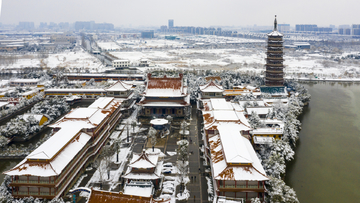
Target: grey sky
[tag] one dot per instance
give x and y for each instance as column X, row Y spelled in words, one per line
column 184, row 12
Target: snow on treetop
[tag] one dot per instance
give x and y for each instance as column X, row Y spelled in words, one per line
column 259, row 110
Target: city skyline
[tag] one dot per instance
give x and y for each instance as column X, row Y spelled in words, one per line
column 185, row 13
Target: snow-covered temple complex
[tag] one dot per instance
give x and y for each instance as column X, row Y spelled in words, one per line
column 235, row 168
column 165, row 96
column 51, row 169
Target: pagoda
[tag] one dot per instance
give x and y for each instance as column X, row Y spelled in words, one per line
column 274, row 60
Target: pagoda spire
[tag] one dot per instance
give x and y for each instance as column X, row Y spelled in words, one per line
column 275, row 24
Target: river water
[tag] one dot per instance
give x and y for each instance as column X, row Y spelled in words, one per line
column 327, row 162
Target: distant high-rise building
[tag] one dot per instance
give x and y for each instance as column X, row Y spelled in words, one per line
column 171, row 23
column 355, row 29
column 305, row 28
column 43, row 25
column 344, row 26
column 341, row 31
column 91, row 25
column 347, row 31
column 274, row 60
column 284, row 27
column 163, row 28
column 312, row 28
column 26, row 26
column 147, row 34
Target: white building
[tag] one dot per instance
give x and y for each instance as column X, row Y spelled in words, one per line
column 121, row 63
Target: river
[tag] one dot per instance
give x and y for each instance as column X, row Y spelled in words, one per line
column 327, row 160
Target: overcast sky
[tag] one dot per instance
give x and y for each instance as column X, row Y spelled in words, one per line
column 184, row 12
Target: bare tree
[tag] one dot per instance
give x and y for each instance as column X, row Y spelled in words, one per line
column 152, row 134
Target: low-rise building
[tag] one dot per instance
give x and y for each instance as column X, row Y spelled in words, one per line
column 236, row 170
column 144, row 169
column 97, row 196
column 165, row 96
column 144, row 63
column 24, row 82
column 51, row 169
column 211, row 90
column 118, row 64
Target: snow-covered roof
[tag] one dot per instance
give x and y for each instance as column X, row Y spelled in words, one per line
column 159, row 121
column 223, row 112
column 58, row 151
column 165, row 87
column 211, row 87
column 144, row 160
column 225, row 116
column 220, row 104
column 144, row 176
column 75, row 90
column 121, row 60
column 25, row 80
column 101, row 102
column 97, row 196
column 55, row 165
column 119, row 86
column 275, row 33
column 143, row 190
column 233, row 145
column 179, row 102
column 251, row 169
column 103, row 75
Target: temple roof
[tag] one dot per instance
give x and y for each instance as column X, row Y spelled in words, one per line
column 119, row 86
column 114, row 197
column 211, row 87
column 165, row 87
column 144, row 160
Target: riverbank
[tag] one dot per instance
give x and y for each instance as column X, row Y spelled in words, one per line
column 327, row 161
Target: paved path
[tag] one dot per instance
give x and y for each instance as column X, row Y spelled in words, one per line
column 198, row 187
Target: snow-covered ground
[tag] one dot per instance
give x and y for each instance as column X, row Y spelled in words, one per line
column 68, row 59
column 110, row 46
